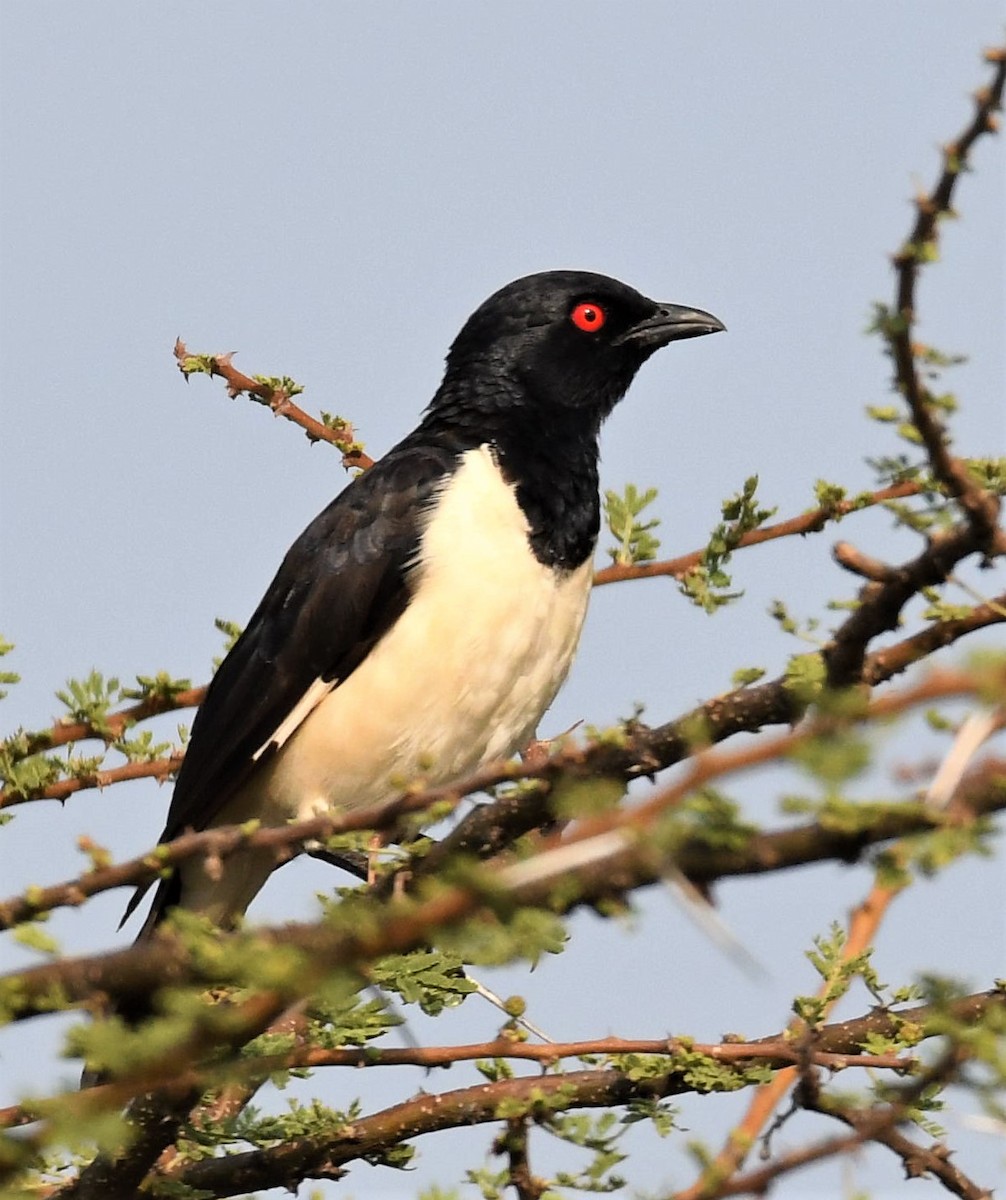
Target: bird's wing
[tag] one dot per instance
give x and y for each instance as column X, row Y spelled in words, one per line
column 341, row 586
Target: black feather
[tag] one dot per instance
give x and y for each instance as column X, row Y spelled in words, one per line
column 340, row 587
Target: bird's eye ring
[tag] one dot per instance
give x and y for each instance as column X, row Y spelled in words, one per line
column 588, row 317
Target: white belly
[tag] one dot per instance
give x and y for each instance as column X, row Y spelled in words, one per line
column 462, row 677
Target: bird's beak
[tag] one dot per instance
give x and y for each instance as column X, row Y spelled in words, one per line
column 671, row 323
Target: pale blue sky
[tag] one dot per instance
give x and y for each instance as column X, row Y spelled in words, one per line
column 329, row 190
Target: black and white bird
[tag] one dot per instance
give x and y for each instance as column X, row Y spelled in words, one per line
column 424, row 621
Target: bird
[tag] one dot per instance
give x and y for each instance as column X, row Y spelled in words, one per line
column 424, row 621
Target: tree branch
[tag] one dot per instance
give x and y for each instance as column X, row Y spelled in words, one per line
column 275, row 397
column 808, row 522
column 291, row 1163
column 703, row 864
column 981, row 506
column 604, row 856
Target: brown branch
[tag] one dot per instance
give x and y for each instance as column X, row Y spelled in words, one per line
column 881, row 600
column 512, row 1143
column 276, row 399
column 775, row 1051
column 880, row 603
column 878, row 1125
column 321, row 1157
column 931, row 1160
column 129, row 975
column 772, row 1052
column 918, row 1160
column 114, row 725
column 809, row 522
column 217, row 843
column 325, row 1157
column 981, row 506
column 834, row 1047
column 63, row 789
column 757, row 1183
column 884, row 664
column 869, row 1125
column 696, row 860
column 864, row 921
column 715, row 764
column 846, row 555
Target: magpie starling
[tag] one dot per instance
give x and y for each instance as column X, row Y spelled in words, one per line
column 424, row 621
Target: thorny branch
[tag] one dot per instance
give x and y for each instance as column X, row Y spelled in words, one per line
column 981, row 507
column 834, row 1047
column 883, row 598
column 276, row 398
column 809, row 522
column 773, row 1052
column 697, row 861
column 290, row 1163
column 984, row 792
column 704, row 865
column 878, row 1124
column 870, row 1125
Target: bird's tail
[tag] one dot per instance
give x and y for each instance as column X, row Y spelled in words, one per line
column 137, row 1010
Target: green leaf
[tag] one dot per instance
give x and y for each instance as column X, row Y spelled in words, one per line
column 32, row 936
column 88, row 700
column 635, row 542
column 277, row 383
column 6, row 676
column 706, row 584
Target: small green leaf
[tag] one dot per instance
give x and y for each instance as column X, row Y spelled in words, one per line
column 634, row 538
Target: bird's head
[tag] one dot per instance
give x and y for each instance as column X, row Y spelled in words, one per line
column 565, row 340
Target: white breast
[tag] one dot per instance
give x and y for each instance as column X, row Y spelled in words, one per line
column 462, row 677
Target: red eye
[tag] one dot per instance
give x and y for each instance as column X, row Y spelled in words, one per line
column 588, row 317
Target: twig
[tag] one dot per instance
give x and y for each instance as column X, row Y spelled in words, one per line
column 113, row 726
column 513, row 1144
column 880, row 603
column 291, row 1162
column 809, row 522
column 881, row 600
column 884, row 664
column 63, row 789
column 878, row 1125
column 276, row 399
column 981, row 506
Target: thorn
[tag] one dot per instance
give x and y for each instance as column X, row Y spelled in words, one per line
column 712, row 924
column 977, row 728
